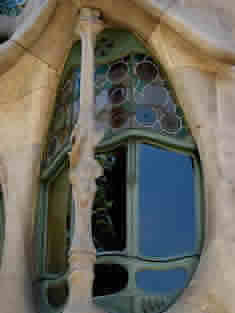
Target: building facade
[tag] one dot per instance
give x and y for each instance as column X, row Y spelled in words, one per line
column 194, row 43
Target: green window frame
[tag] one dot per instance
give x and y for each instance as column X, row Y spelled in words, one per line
column 2, row 223
column 51, row 289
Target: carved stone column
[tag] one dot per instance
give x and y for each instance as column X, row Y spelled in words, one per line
column 84, row 170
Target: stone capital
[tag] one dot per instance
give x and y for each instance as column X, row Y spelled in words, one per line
column 89, row 22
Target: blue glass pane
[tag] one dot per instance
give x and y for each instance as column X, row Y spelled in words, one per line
column 145, row 115
column 167, row 226
column 161, row 281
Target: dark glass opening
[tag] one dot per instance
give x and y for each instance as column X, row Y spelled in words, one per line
column 146, row 71
column 117, row 94
column 59, row 205
column 167, row 218
column 58, row 294
column 109, row 279
column 109, row 209
column 118, row 72
column 3, row 39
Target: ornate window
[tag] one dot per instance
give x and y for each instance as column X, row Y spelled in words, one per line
column 147, row 213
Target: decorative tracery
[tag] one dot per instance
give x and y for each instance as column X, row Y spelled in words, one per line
column 132, row 92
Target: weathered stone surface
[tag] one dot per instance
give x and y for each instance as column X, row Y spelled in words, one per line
column 29, row 74
column 56, row 40
column 23, row 127
column 208, row 24
column 24, row 31
column 207, row 98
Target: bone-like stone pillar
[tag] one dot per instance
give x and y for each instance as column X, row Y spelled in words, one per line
column 83, row 172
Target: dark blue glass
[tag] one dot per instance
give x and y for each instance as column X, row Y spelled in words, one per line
column 167, row 221
column 161, row 281
column 145, row 115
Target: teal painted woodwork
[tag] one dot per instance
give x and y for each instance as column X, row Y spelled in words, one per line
column 12, row 7
column 2, row 223
column 148, row 210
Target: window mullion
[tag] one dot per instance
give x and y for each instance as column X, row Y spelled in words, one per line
column 131, row 198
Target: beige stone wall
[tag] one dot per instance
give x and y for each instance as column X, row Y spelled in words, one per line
column 27, row 96
column 205, row 88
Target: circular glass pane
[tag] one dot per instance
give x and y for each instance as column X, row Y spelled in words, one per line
column 146, row 71
column 118, row 72
column 117, row 94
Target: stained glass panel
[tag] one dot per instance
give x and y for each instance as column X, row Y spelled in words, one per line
column 65, row 115
column 133, row 92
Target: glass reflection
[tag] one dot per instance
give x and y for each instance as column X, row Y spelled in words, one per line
column 167, row 281
column 109, row 210
column 167, row 226
column 153, row 94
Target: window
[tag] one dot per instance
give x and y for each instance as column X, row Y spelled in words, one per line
column 147, row 221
